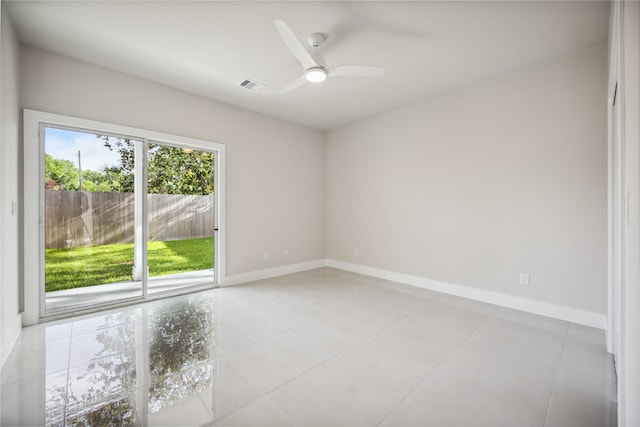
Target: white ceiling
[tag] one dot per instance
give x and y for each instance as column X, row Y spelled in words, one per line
column 209, row 47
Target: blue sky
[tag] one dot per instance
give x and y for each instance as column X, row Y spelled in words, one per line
column 64, row 144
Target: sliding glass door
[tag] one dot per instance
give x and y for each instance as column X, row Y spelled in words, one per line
column 124, row 218
column 180, row 217
column 89, row 219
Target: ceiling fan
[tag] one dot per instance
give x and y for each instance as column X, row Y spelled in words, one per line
column 315, row 70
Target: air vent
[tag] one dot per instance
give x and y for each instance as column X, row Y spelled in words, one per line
column 253, row 86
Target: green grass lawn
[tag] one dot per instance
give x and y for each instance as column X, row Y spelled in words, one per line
column 97, row 265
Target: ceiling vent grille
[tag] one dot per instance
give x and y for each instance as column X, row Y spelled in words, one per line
column 252, row 86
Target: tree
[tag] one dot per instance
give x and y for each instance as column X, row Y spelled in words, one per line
column 97, row 181
column 121, row 176
column 60, row 174
column 171, row 170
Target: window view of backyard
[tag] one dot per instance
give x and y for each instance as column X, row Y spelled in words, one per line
column 71, row 268
column 93, row 215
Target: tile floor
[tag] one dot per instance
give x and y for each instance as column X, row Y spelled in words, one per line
column 323, row 347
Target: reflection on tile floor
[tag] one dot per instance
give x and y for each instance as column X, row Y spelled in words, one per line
column 323, row 347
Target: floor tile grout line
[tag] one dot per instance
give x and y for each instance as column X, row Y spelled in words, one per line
column 299, row 376
column 68, row 384
column 291, row 423
column 192, row 386
column 257, row 341
column 435, row 368
column 350, row 346
column 265, row 394
column 355, row 344
column 312, row 294
column 555, row 379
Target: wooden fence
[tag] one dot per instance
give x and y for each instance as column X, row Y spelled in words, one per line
column 80, row 218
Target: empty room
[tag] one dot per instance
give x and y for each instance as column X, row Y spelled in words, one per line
column 329, row 213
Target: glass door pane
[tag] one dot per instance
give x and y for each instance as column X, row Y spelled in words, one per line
column 180, row 213
column 89, row 219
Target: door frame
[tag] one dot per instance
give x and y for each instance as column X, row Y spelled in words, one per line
column 34, row 204
column 616, row 203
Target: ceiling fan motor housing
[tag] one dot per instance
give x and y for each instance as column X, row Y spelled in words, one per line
column 315, row 40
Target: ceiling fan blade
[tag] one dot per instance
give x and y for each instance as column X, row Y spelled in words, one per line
column 293, row 85
column 295, row 46
column 356, row 71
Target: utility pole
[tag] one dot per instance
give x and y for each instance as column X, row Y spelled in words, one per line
column 79, row 172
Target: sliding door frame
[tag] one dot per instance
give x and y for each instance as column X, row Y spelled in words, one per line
column 34, row 122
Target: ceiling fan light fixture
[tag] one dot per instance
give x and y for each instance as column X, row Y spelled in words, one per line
column 316, row 74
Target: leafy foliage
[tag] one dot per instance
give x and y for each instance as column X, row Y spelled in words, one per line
column 108, row 414
column 123, row 173
column 60, row 174
column 96, row 182
column 180, row 351
column 171, row 170
column 181, row 343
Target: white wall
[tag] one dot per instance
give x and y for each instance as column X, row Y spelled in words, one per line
column 10, row 149
column 275, row 170
column 476, row 186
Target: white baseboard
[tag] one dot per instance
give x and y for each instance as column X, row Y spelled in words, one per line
column 582, row 317
column 268, row 273
column 9, row 341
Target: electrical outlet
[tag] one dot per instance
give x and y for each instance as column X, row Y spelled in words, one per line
column 286, row 252
column 267, row 255
column 524, row 278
